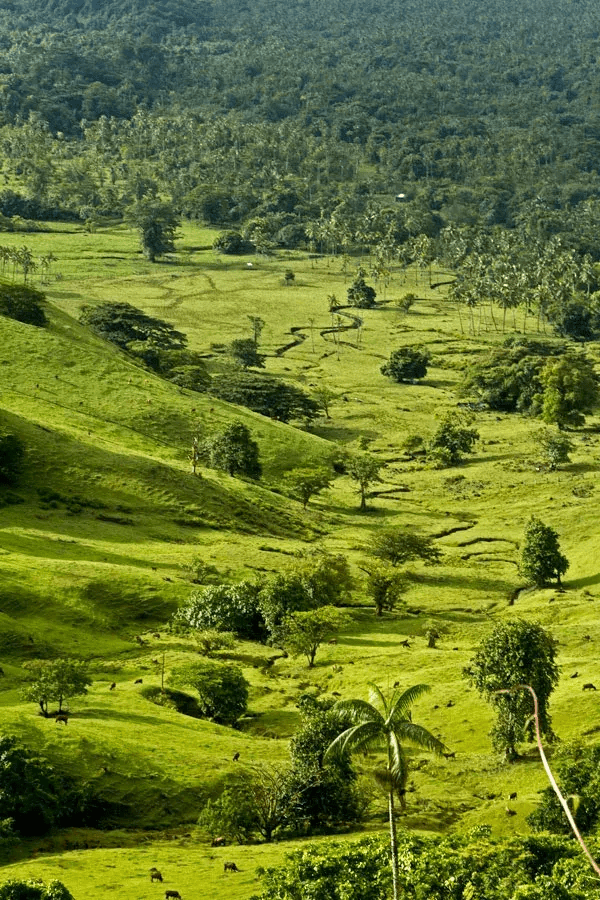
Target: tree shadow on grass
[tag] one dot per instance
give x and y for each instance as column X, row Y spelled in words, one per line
column 583, row 582
column 461, row 582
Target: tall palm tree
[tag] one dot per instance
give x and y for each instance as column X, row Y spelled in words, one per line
column 386, row 723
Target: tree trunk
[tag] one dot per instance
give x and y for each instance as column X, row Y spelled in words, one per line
column 393, row 845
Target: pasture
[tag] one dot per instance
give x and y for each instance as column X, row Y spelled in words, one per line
column 110, row 516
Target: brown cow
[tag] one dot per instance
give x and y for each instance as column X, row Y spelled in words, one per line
column 113, row 686
column 155, row 875
column 63, row 717
column 173, row 895
column 138, row 681
column 589, row 687
column 230, row 867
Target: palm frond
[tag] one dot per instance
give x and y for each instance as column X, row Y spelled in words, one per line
column 377, row 698
column 421, row 737
column 364, row 736
column 358, row 711
column 401, row 705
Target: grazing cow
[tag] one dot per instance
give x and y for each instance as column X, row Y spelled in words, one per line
column 589, row 687
column 172, row 895
column 510, row 812
column 155, row 875
column 113, row 686
column 405, row 643
column 512, row 796
column 139, row 681
column 450, row 703
column 156, row 635
column 230, row 867
column 587, row 637
column 236, row 756
column 574, row 675
column 332, row 641
column 63, row 717
column 451, row 755
column 219, row 842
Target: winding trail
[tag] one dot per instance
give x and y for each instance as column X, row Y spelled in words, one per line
column 300, row 332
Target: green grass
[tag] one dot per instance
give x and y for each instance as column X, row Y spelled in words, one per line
column 100, row 559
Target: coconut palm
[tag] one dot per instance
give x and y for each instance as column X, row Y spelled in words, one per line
column 386, row 723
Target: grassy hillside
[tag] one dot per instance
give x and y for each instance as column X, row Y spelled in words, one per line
column 109, row 515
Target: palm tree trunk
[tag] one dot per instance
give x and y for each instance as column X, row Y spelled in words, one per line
column 393, row 845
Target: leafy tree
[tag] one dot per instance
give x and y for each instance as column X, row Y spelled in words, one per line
column 226, row 607
column 266, row 395
column 12, row 456
column 324, row 395
column 386, row 586
column 230, row 815
column 578, row 772
column 406, row 364
column 157, row 224
column 33, row 889
column 541, row 559
column 56, row 680
column 570, row 389
column 123, row 324
column 452, row 440
column 221, row 687
column 321, row 792
column 23, row 303
column 555, row 447
column 233, row 451
column 406, row 302
column 267, row 789
column 364, row 469
column 257, row 328
column 398, row 546
column 244, row 352
column 386, row 723
column 302, row 633
column 308, row 483
column 515, row 653
column 361, row 294
column 192, row 378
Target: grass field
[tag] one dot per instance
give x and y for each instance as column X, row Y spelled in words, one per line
column 111, row 514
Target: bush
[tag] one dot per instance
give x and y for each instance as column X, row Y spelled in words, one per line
column 231, row 242
column 22, row 303
column 33, row 889
column 406, row 364
column 452, row 440
column 221, row 687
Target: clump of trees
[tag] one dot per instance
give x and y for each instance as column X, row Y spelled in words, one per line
column 406, row 364
column 265, row 394
column 152, row 341
column 23, row 303
column 547, row 380
column 516, row 653
column 269, row 608
column 393, row 547
column 361, row 294
column 12, row 456
column 34, row 797
column 541, row 559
